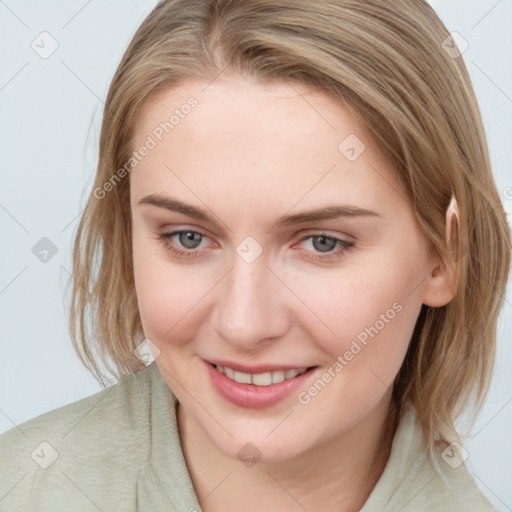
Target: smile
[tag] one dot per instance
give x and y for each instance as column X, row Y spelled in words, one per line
column 259, row 386
column 260, row 379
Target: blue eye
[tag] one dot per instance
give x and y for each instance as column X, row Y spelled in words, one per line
column 324, row 245
column 189, row 238
column 323, row 241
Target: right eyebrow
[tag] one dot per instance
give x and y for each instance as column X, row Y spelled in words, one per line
column 174, row 205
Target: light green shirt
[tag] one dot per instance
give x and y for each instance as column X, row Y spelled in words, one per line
column 119, row 450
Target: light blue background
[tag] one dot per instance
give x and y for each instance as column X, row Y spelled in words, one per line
column 50, row 118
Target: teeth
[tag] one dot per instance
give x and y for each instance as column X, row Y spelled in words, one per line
column 289, row 374
column 260, row 379
column 229, row 373
column 244, row 378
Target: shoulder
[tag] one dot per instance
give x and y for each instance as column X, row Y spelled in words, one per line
column 452, row 482
column 413, row 481
column 70, row 450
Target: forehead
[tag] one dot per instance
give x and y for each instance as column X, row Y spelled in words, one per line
column 248, row 140
column 250, row 111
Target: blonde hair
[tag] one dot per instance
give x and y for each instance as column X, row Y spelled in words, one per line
column 386, row 61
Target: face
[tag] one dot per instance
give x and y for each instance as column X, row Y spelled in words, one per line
column 232, row 264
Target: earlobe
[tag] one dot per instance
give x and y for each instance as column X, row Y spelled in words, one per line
column 441, row 285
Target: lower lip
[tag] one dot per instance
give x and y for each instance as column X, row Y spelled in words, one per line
column 252, row 396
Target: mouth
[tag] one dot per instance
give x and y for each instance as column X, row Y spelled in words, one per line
column 258, row 390
column 263, row 378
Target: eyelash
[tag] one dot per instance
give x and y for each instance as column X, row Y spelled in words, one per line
column 346, row 246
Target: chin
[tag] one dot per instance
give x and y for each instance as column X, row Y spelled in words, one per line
column 259, row 447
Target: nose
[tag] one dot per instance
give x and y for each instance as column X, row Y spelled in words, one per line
column 251, row 307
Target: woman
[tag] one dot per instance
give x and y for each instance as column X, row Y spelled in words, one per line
column 294, row 215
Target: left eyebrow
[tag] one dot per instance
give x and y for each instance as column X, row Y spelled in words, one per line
column 329, row 212
column 326, row 213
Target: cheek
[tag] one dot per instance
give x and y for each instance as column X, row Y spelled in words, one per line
column 373, row 317
column 367, row 317
column 168, row 295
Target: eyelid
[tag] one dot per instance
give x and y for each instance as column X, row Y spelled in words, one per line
column 174, row 230
column 327, row 233
column 300, row 235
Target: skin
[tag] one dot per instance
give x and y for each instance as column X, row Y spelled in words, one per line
column 248, row 154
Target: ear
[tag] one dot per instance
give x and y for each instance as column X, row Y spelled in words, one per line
column 441, row 284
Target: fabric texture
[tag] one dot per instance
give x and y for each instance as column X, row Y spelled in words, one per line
column 119, row 450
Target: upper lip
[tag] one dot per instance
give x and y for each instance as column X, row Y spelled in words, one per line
column 260, row 368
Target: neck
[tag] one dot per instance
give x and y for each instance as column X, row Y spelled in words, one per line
column 338, row 474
